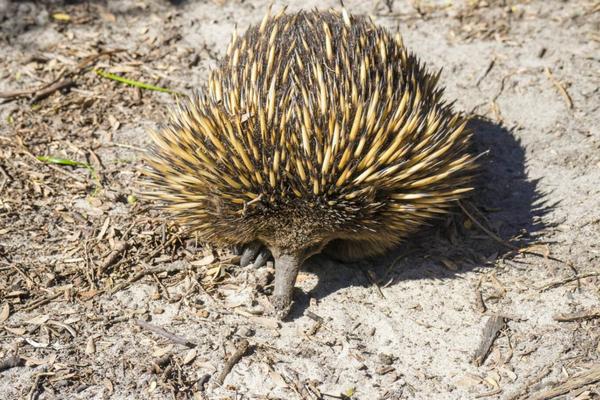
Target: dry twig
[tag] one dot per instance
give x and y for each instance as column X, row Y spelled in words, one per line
column 164, row 333
column 555, row 284
column 113, row 256
column 242, row 348
column 150, row 271
column 560, row 88
column 580, row 316
column 574, row 383
column 43, row 93
column 499, row 239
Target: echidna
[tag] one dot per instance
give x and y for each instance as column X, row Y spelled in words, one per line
column 316, row 128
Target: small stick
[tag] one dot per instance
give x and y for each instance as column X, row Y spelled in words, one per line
column 488, row 394
column 67, row 173
column 581, row 316
column 525, row 387
column 125, row 146
column 41, row 94
column 555, row 284
column 481, row 307
column 5, row 178
column 89, row 60
column 313, row 316
column 113, row 256
column 164, row 246
column 16, row 93
column 41, row 302
column 486, row 72
column 490, row 332
column 162, row 332
column 503, row 242
column 575, row 382
column 486, row 230
column 560, row 88
column 149, row 271
column 242, row 348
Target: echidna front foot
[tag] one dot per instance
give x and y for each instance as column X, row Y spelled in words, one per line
column 254, row 253
column 286, row 272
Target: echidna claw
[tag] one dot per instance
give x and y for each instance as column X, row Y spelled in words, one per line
column 254, row 253
column 282, row 306
column 262, row 257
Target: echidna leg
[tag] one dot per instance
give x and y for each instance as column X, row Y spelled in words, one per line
column 286, row 271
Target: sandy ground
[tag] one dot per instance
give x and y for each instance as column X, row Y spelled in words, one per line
column 85, row 267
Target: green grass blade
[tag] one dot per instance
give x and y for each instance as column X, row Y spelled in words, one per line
column 131, row 82
column 63, row 161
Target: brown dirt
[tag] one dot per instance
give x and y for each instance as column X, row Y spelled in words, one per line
column 82, row 260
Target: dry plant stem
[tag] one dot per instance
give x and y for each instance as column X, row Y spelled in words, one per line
column 112, row 258
column 33, row 392
column 39, row 93
column 574, row 383
column 488, row 394
column 525, row 387
column 580, row 316
column 148, row 271
column 560, row 88
column 553, row 285
column 4, row 178
column 167, row 243
column 286, row 271
column 164, row 333
column 498, row 239
column 242, row 348
column 62, row 84
column 59, row 83
column 42, row 302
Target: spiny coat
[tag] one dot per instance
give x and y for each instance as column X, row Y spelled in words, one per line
column 316, row 127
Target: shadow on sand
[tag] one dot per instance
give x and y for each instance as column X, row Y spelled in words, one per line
column 506, row 202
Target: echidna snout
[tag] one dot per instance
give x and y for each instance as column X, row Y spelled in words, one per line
column 316, row 128
column 292, row 234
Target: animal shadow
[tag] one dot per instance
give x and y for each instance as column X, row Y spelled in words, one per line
column 505, row 202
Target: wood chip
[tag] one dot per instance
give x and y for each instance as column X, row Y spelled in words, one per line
column 5, row 313
column 490, row 332
column 90, row 347
column 189, row 357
